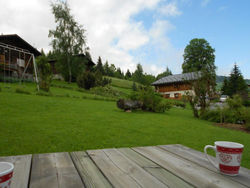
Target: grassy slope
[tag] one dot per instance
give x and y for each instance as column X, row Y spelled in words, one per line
column 38, row 124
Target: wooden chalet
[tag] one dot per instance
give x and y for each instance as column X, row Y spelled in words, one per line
column 175, row 86
column 16, row 57
column 84, row 59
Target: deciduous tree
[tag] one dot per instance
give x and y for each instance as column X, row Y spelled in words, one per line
column 68, row 39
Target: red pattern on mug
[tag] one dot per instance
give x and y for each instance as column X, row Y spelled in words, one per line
column 225, row 158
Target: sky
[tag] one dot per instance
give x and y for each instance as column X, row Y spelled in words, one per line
column 153, row 33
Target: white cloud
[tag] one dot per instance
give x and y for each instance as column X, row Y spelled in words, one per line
column 170, row 9
column 111, row 31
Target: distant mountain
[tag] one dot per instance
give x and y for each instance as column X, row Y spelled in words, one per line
column 220, row 79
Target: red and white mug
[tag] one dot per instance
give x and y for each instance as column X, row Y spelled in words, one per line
column 6, row 173
column 228, row 156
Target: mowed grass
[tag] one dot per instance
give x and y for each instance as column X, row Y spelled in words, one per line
column 41, row 124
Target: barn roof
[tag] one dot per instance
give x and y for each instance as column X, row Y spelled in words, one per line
column 16, row 41
column 178, row 78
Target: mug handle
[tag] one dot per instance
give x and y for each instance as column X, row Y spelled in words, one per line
column 208, row 158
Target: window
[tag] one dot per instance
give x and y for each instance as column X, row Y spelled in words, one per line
column 167, row 95
column 176, row 95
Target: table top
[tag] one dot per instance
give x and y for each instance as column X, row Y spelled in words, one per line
column 151, row 166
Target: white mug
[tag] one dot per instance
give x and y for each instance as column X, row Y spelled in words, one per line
column 228, row 156
column 6, row 172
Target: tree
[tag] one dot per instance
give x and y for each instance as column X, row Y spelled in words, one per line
column 236, row 83
column 138, row 74
column 112, row 69
column 128, row 75
column 106, row 69
column 225, row 88
column 199, row 57
column 68, row 39
column 44, row 70
column 167, row 72
column 99, row 66
column 119, row 73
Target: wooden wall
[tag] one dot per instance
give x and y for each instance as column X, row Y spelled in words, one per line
column 173, row 87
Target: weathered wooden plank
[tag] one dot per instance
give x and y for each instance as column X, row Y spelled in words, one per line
column 154, row 169
column 143, row 178
column 115, row 175
column 21, row 173
column 90, row 174
column 190, row 172
column 54, row 170
column 200, row 159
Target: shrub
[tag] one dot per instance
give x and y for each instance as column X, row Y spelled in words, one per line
column 247, row 119
column 151, row 101
column 86, row 80
column 106, row 91
column 22, row 91
column 45, row 75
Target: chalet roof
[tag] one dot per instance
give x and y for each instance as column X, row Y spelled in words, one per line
column 16, row 41
column 90, row 62
column 178, row 78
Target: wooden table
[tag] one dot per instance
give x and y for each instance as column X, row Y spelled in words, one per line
column 154, row 166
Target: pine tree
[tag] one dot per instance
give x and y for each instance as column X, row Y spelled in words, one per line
column 224, row 89
column 128, row 75
column 167, row 72
column 237, row 84
column 99, row 66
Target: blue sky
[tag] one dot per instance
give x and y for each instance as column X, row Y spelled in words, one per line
column 225, row 24
column 151, row 32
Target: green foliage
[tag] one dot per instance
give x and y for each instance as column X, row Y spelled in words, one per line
column 86, row 80
column 247, row 119
column 167, row 72
column 99, row 67
column 134, row 87
column 198, row 55
column 119, row 73
column 68, row 39
column 236, row 84
column 140, row 77
column 128, row 75
column 234, row 112
column 106, row 91
column 44, row 70
column 151, row 101
column 22, row 91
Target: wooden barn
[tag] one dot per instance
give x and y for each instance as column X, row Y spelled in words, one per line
column 84, row 59
column 16, row 57
column 175, row 86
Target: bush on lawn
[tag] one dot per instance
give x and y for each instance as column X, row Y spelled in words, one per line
column 151, row 101
column 45, row 74
column 89, row 80
column 86, row 80
column 22, row 91
column 234, row 112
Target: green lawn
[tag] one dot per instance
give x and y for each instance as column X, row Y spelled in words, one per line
column 40, row 124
